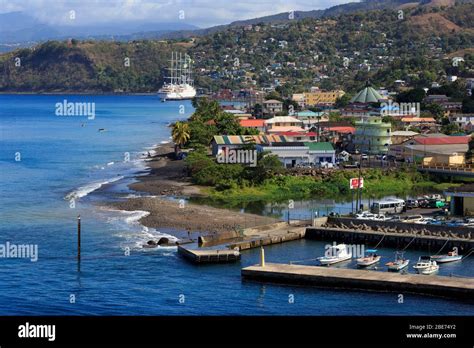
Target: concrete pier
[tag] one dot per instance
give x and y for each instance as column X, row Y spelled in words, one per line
column 209, row 255
column 459, row 288
column 267, row 240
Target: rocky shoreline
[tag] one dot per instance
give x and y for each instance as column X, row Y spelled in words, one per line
column 169, row 187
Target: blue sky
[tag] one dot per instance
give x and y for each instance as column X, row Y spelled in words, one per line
column 203, row 13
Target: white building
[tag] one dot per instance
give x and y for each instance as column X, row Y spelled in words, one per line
column 294, row 154
column 464, row 121
column 272, row 106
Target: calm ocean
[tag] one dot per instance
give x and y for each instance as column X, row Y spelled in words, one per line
column 54, row 168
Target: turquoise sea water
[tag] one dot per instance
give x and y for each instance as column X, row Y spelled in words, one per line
column 56, row 167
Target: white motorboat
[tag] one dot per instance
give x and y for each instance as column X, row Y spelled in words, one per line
column 369, row 259
column 449, row 257
column 335, row 254
column 398, row 264
column 432, row 268
column 423, row 262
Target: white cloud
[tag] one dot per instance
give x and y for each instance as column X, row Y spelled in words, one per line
column 203, row 13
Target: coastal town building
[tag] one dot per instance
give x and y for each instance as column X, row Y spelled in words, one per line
column 272, row 107
column 281, row 124
column 341, row 137
column 322, row 98
column 461, row 200
column 257, row 124
column 311, row 118
column 433, row 149
column 463, row 121
column 239, row 114
column 399, row 137
column 418, row 121
column 232, row 142
column 443, row 100
column 300, row 136
column 357, row 112
column 367, row 95
column 292, row 154
column 372, row 136
column 299, row 98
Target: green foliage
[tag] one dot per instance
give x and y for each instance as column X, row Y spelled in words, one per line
column 411, row 51
column 449, row 128
column 468, row 105
column 436, row 110
column 209, row 119
column 283, row 186
column 342, row 101
column 414, row 95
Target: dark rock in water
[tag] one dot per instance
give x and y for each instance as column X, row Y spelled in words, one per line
column 163, row 240
column 150, row 244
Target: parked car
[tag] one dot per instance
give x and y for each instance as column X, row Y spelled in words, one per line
column 435, row 203
column 326, row 165
column 364, row 156
column 381, row 217
column 425, row 221
column 413, row 218
column 365, row 216
column 423, row 203
column 396, row 218
column 412, row 203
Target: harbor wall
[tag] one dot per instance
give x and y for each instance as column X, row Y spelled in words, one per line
column 393, row 240
column 403, row 227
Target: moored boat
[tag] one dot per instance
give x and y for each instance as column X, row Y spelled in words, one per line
column 423, row 262
column 449, row 257
column 369, row 259
column 432, row 268
column 398, row 264
column 335, row 254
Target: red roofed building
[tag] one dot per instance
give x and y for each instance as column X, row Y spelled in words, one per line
column 341, row 130
column 253, row 123
column 433, row 149
column 299, row 136
column 441, row 140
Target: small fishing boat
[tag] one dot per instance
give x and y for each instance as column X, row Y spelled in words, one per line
column 449, row 257
column 369, row 259
column 432, row 268
column 335, row 254
column 398, row 264
column 423, row 262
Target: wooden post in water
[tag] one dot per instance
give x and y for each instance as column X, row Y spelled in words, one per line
column 79, row 238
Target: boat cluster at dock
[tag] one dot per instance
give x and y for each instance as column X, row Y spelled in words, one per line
column 425, row 265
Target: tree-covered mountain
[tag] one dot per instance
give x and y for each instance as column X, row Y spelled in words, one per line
column 417, row 45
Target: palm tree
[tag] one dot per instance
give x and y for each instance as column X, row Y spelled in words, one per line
column 181, row 135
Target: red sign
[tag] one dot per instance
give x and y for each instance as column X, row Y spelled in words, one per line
column 354, row 183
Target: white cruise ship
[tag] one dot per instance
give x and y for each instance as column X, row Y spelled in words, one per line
column 180, row 85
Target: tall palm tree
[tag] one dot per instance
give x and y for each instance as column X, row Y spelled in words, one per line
column 181, row 135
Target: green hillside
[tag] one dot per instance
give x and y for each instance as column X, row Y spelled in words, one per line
column 342, row 51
